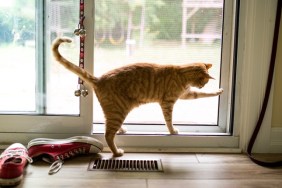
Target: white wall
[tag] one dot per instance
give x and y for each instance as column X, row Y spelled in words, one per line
column 255, row 43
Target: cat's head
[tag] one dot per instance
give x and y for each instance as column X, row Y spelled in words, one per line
column 201, row 76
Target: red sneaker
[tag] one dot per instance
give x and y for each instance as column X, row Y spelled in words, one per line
column 12, row 163
column 55, row 151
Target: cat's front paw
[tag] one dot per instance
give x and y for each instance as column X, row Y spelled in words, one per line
column 122, row 130
column 119, row 153
column 174, row 131
column 220, row 91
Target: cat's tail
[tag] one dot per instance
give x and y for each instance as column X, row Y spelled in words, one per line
column 84, row 75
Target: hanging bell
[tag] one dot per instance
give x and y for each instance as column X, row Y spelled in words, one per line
column 76, row 32
column 77, row 93
column 82, row 32
column 84, row 92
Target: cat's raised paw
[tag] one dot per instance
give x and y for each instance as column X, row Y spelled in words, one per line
column 220, row 91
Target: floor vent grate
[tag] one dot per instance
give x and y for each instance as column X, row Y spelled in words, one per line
column 126, row 165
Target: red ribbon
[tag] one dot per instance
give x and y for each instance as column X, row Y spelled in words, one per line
column 81, row 47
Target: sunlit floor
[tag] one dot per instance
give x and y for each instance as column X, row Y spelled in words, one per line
column 180, row 170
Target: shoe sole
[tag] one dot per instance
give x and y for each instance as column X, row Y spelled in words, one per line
column 11, row 182
column 79, row 139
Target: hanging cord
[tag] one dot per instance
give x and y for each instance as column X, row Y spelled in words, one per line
column 267, row 93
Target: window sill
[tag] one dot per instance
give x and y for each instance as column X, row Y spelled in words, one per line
column 158, row 129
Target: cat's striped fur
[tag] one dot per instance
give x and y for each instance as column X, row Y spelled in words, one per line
column 122, row 89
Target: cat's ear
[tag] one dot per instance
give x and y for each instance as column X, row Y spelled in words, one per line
column 208, row 65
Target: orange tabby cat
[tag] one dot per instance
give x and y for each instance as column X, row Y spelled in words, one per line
column 122, row 89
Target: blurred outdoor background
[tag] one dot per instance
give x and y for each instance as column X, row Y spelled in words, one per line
column 126, row 31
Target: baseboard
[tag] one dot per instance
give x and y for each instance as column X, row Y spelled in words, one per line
column 177, row 150
column 276, row 140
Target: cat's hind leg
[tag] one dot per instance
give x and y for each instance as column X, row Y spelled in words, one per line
column 114, row 123
column 167, row 108
column 110, row 137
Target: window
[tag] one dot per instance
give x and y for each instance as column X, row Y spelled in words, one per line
column 40, row 102
column 38, row 91
column 168, row 32
column 43, row 87
column 17, row 49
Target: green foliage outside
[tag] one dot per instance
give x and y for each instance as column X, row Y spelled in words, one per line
column 18, row 18
column 163, row 18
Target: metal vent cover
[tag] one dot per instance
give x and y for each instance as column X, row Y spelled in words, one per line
column 126, row 165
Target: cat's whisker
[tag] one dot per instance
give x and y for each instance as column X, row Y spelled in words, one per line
column 210, row 77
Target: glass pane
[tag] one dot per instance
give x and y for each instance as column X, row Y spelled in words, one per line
column 62, row 19
column 162, row 32
column 31, row 81
column 17, row 54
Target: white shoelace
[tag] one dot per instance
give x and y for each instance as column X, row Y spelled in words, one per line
column 57, row 165
column 17, row 153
